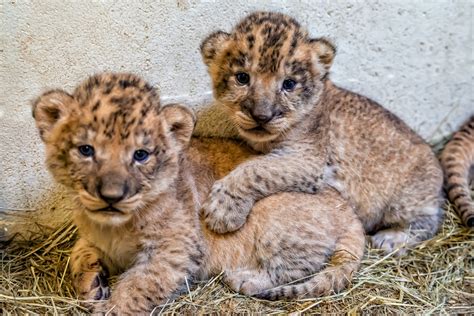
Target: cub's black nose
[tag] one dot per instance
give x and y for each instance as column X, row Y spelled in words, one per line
column 111, row 199
column 261, row 117
column 112, row 192
column 262, row 112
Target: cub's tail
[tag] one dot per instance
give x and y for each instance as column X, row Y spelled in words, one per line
column 457, row 160
column 344, row 262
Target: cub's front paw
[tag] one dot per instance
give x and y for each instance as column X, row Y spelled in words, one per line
column 390, row 240
column 127, row 299
column 91, row 283
column 225, row 211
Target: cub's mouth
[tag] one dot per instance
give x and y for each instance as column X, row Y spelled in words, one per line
column 109, row 210
column 258, row 134
column 258, row 129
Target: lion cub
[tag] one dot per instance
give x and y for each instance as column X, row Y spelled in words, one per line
column 138, row 186
column 273, row 79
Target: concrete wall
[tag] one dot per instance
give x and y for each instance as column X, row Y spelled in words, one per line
column 415, row 57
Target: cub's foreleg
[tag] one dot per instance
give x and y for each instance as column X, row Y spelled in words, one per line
column 160, row 270
column 231, row 198
column 89, row 275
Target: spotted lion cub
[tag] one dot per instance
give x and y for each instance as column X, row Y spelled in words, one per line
column 138, row 186
column 273, row 79
column 457, row 160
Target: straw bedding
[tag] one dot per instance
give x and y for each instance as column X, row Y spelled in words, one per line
column 436, row 277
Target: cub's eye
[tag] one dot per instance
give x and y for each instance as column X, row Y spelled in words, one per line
column 140, row 155
column 289, row 84
column 242, row 78
column 86, row 150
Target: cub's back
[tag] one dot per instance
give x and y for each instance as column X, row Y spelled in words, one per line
column 375, row 147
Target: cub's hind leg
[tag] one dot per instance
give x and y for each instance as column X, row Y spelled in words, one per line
column 290, row 241
column 282, row 258
column 89, row 275
column 319, row 247
column 415, row 214
column 314, row 275
column 334, row 273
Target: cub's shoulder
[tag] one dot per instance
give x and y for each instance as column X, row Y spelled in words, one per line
column 366, row 112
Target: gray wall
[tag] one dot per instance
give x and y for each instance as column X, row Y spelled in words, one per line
column 415, row 57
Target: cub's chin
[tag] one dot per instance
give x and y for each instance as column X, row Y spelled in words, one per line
column 109, row 216
column 257, row 135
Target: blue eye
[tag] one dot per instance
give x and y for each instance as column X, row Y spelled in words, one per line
column 140, row 155
column 289, row 84
column 242, row 78
column 86, row 150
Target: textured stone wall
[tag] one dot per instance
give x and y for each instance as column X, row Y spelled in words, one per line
column 415, row 57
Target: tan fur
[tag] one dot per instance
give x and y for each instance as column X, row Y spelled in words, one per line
column 315, row 134
column 152, row 236
column 457, row 160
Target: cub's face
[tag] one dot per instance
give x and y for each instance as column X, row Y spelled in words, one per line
column 111, row 144
column 267, row 73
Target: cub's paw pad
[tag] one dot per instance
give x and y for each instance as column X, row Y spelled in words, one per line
column 389, row 240
column 224, row 212
column 94, row 286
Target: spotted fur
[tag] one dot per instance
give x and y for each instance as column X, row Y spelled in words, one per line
column 457, row 160
column 150, row 233
column 315, row 134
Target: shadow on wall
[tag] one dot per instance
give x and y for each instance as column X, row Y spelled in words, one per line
column 50, row 211
column 214, row 122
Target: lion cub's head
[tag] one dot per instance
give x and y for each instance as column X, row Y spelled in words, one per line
column 268, row 72
column 112, row 144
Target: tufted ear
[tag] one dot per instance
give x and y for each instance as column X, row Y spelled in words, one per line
column 212, row 44
column 325, row 51
column 49, row 108
column 180, row 121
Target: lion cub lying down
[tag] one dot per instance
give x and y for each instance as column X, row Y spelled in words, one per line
column 138, row 186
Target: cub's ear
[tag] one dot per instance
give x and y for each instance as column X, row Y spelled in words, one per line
column 325, row 51
column 212, row 44
column 180, row 121
column 49, row 108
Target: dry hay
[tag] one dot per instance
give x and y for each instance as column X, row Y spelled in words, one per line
column 436, row 277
